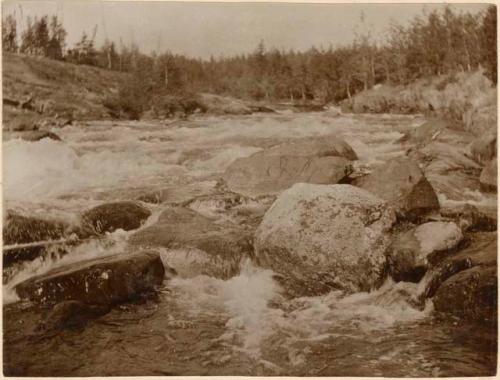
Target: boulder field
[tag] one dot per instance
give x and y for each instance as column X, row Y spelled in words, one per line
column 319, row 235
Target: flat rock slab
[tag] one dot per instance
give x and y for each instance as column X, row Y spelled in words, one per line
column 106, row 281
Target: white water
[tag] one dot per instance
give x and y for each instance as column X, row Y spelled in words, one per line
column 257, row 312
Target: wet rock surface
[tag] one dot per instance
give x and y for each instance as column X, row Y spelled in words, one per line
column 403, row 185
column 413, row 251
column 326, row 236
column 109, row 217
column 105, row 281
column 470, row 294
column 311, row 160
column 196, row 243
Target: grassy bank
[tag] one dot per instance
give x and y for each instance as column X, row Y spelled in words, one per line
column 37, row 89
column 468, row 100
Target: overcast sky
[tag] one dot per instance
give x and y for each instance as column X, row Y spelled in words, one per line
column 204, row 29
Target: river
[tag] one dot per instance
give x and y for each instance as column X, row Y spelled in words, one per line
column 205, row 325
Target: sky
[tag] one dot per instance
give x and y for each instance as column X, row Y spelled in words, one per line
column 204, row 29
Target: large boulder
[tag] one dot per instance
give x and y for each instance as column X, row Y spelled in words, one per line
column 412, row 251
column 106, row 280
column 488, row 177
column 403, row 185
column 197, row 244
column 323, row 160
column 109, row 217
column 323, row 237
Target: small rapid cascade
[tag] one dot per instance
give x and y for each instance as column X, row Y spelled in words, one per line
column 259, row 318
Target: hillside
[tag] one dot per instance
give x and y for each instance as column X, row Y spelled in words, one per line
column 37, row 89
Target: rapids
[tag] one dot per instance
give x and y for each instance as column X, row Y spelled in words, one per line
column 203, row 325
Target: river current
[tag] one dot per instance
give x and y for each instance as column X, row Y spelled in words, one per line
column 204, row 325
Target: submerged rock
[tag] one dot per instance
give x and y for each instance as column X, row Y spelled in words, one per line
column 326, row 237
column 102, row 281
column 109, row 217
column 403, row 185
column 413, row 251
column 488, row 178
column 323, row 160
column 67, row 314
column 196, row 243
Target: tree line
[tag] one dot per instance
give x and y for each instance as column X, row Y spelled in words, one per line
column 434, row 43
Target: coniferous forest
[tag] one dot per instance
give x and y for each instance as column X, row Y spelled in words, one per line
column 434, row 43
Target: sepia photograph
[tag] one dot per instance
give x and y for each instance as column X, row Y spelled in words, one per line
column 249, row 189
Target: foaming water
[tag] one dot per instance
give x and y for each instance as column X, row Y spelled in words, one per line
column 105, row 156
column 258, row 315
